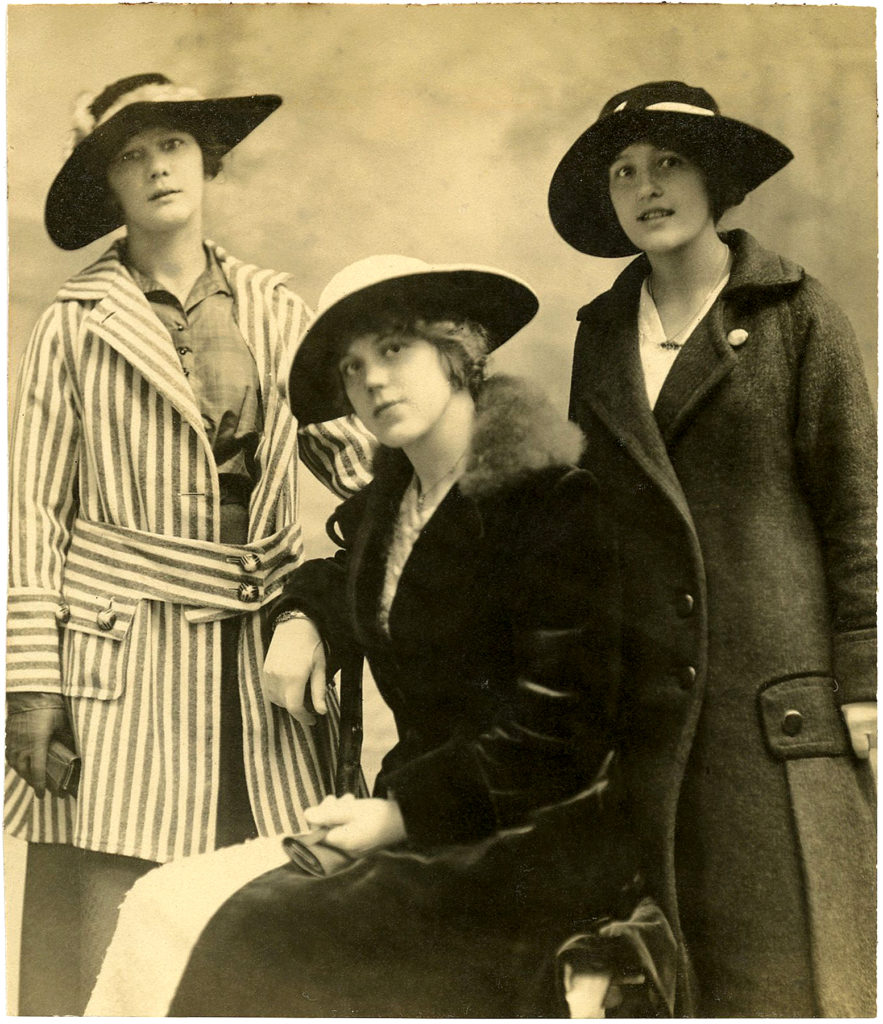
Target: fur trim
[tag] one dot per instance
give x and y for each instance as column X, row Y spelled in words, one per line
column 517, row 431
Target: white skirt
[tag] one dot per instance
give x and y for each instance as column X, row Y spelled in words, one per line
column 162, row 917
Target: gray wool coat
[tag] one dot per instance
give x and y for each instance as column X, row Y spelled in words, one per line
column 746, row 507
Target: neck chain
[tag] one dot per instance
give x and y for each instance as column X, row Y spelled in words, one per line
column 424, row 495
column 669, row 343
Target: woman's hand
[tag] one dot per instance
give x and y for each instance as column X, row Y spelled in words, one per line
column 861, row 721
column 358, row 826
column 33, row 720
column 296, row 658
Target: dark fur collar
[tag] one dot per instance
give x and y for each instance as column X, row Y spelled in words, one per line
column 517, row 432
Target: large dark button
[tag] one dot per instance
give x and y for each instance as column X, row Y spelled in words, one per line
column 792, row 722
column 685, row 605
column 184, row 350
column 63, row 613
column 250, row 563
column 186, row 372
column 686, row 677
column 248, row 592
column 107, row 619
column 180, row 327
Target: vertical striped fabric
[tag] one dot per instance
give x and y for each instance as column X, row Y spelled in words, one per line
column 106, row 428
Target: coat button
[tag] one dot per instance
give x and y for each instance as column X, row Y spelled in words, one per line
column 792, row 722
column 737, row 337
column 248, row 592
column 685, row 605
column 63, row 613
column 250, row 563
column 686, row 677
column 107, row 619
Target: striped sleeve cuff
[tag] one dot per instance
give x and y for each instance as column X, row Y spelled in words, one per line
column 340, row 453
column 33, row 660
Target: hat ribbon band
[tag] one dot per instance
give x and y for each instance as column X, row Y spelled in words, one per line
column 680, row 108
column 153, row 93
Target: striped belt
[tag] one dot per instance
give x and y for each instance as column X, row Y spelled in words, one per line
column 214, row 581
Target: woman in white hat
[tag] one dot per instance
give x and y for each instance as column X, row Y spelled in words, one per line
column 476, row 575
column 730, row 426
column 153, row 513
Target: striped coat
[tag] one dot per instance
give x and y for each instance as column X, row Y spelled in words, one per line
column 118, row 584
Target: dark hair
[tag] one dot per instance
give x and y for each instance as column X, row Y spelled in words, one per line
column 463, row 343
column 723, row 187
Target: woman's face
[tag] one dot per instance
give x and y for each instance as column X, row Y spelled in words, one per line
column 660, row 198
column 399, row 386
column 158, row 179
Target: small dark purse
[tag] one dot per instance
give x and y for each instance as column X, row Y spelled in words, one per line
column 311, row 855
column 62, row 770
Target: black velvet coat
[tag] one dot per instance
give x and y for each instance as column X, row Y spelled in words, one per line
column 501, row 668
column 746, row 505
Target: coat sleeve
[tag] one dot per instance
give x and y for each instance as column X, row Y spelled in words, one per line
column 550, row 740
column 835, row 440
column 319, row 587
column 339, row 453
column 43, row 484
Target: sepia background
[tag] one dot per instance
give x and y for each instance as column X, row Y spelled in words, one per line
column 434, row 131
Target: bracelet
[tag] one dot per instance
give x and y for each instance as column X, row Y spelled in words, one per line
column 287, row 616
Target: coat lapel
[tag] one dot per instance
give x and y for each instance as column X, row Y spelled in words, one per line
column 704, row 362
column 614, row 386
column 122, row 317
column 709, row 356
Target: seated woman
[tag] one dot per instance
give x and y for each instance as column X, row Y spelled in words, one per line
column 478, row 577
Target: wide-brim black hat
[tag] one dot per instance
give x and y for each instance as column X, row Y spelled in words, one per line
column 501, row 303
column 579, row 197
column 77, row 207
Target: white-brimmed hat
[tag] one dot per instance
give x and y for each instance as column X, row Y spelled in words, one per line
column 501, row 303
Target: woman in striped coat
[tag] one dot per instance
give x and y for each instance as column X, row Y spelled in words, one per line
column 153, row 514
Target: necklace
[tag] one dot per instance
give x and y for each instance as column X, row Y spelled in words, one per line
column 423, row 495
column 669, row 344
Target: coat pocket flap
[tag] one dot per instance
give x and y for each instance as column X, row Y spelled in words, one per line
column 800, row 718
column 98, row 616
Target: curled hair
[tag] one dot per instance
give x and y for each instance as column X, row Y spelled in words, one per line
column 721, row 181
column 463, row 343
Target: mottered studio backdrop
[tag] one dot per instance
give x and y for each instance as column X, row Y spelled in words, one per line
column 434, row 131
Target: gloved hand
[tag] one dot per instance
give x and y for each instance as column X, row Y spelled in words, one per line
column 33, row 720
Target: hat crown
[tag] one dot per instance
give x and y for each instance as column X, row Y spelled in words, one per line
column 367, row 272
column 106, row 99
column 675, row 96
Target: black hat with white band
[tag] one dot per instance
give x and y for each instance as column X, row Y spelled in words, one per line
column 579, row 199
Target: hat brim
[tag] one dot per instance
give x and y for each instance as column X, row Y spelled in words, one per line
column 500, row 303
column 579, row 198
column 77, row 211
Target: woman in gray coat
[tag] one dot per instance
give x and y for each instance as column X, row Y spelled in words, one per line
column 729, row 422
